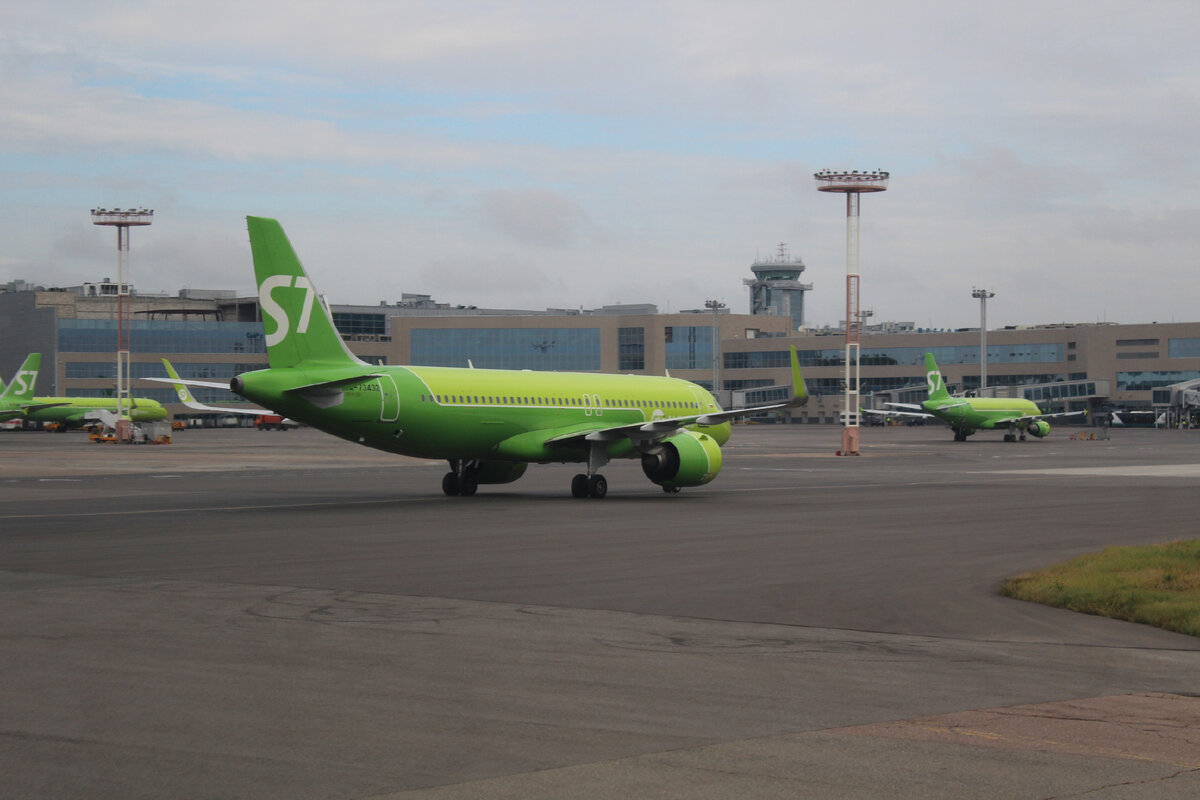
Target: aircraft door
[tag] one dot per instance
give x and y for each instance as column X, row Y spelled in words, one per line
column 389, row 399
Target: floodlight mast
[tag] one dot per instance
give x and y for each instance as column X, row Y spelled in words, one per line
column 715, row 306
column 123, row 220
column 983, row 295
column 852, row 184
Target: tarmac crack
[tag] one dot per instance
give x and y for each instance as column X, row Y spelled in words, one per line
column 1110, row 786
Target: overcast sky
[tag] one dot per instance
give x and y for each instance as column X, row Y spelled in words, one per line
column 533, row 154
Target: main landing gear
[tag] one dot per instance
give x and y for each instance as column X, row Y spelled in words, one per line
column 589, row 486
column 462, row 480
column 593, row 484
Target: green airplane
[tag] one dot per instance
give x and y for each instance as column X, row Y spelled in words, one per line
column 17, row 402
column 488, row 424
column 966, row 415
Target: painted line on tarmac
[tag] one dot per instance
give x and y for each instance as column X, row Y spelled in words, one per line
column 130, row 512
column 1130, row 471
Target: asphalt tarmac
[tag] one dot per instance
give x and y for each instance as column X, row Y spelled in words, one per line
column 284, row 615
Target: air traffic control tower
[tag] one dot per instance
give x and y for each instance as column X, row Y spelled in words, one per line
column 776, row 289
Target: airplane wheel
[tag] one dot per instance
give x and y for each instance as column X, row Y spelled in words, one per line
column 671, row 489
column 597, row 486
column 468, row 484
column 1008, row 437
column 579, row 486
column 450, row 485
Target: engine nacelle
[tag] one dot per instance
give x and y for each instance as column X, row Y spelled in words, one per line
column 500, row 471
column 1038, row 427
column 686, row 459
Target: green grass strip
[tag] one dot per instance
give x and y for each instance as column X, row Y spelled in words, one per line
column 1155, row 585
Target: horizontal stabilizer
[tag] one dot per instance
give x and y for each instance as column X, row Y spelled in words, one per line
column 335, row 384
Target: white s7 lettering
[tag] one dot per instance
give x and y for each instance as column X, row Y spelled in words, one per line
column 273, row 310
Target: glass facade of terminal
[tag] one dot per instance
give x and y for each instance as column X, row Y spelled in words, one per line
column 161, row 336
column 547, row 349
column 688, row 347
column 1183, row 348
column 1152, row 379
column 353, row 324
column 631, row 349
column 901, row 356
column 1060, row 391
column 154, row 369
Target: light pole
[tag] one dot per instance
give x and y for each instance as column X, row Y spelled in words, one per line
column 123, row 221
column 852, row 184
column 716, row 306
column 983, row 295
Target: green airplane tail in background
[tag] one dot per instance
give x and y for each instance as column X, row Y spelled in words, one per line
column 933, row 377
column 297, row 327
column 21, row 387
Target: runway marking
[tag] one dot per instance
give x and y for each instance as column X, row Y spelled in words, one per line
column 126, row 512
column 1129, row 471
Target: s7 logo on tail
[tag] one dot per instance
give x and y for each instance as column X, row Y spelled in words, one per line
column 934, row 379
column 23, row 385
column 276, row 312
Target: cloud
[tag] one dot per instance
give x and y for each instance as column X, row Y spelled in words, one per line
column 650, row 147
column 536, row 216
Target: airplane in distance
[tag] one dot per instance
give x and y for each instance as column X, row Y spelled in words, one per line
column 488, row 424
column 966, row 415
column 191, row 402
column 18, row 402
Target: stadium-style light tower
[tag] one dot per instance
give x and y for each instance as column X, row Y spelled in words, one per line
column 983, row 295
column 716, row 306
column 123, row 221
column 852, row 184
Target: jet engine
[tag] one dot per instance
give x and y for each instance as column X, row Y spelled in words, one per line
column 1038, row 427
column 500, row 471
column 686, row 459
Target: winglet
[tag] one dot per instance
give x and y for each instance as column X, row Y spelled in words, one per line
column 185, row 396
column 799, row 390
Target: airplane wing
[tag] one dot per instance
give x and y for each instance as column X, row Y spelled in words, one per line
column 191, row 402
column 893, row 413
column 655, row 429
column 31, row 407
column 1029, row 417
column 905, row 406
column 189, row 382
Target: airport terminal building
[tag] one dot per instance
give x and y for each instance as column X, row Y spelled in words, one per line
column 214, row 335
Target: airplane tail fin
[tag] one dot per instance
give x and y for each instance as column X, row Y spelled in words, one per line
column 933, row 377
column 22, row 385
column 298, row 326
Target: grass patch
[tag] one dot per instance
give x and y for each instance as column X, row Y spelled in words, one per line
column 1155, row 585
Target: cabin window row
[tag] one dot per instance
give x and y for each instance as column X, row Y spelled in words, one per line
column 570, row 402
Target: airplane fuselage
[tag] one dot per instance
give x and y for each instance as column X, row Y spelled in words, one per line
column 443, row 412
column 72, row 410
column 980, row 412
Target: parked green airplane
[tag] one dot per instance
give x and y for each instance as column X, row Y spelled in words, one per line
column 966, row 415
column 17, row 402
column 488, row 424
